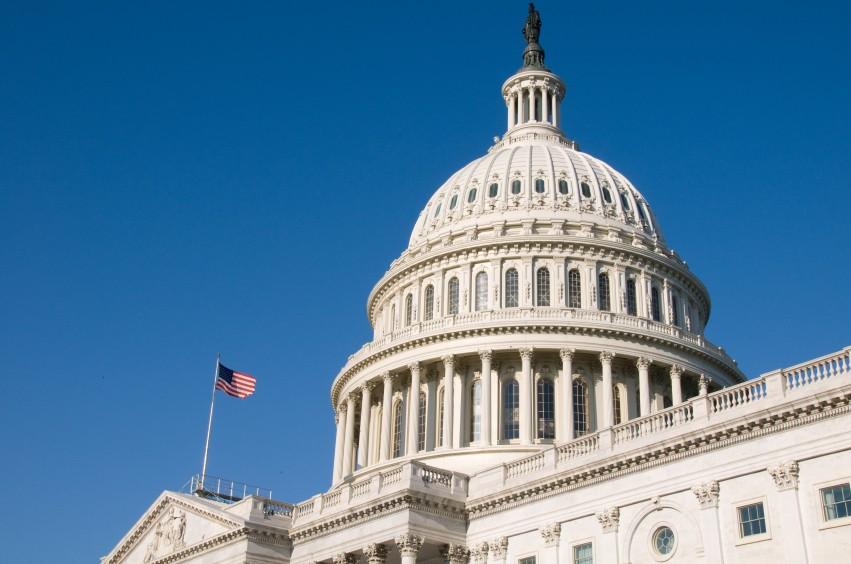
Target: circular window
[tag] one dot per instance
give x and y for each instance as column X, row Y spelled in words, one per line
column 453, row 202
column 471, row 197
column 664, row 541
column 515, row 187
column 562, row 186
column 493, row 190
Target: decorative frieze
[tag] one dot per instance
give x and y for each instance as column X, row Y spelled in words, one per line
column 609, row 519
column 785, row 475
column 409, row 544
column 375, row 553
column 455, row 553
column 498, row 548
column 551, row 534
column 168, row 535
column 706, row 494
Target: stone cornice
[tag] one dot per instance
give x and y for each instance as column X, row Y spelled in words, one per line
column 526, row 327
column 693, row 444
column 551, row 245
column 401, row 501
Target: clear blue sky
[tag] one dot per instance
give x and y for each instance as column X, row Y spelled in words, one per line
column 178, row 179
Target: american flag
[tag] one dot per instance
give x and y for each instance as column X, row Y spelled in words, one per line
column 236, row 384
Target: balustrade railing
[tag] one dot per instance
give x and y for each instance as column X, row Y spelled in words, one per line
column 740, row 394
column 331, row 499
column 524, row 466
column 661, row 420
column 577, row 448
column 435, row 476
column 391, row 476
column 277, row 509
column 828, row 366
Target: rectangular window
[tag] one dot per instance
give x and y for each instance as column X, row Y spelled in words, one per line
column 527, row 560
column 631, row 299
column 836, row 502
column 751, row 520
column 583, row 554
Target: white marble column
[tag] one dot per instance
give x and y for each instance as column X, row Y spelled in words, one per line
column 340, row 417
column 349, row 445
column 676, row 385
column 526, row 397
column 414, row 409
column 556, row 116
column 375, row 553
column 608, row 407
column 511, row 103
column 566, row 415
column 551, row 534
column 455, row 554
column 431, row 410
column 448, row 399
column 531, row 94
column 409, row 546
column 386, row 415
column 545, row 106
column 485, row 355
column 609, row 520
column 707, row 497
column 643, row 365
column 793, row 540
column 365, row 411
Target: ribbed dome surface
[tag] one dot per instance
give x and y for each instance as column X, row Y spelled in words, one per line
column 536, row 176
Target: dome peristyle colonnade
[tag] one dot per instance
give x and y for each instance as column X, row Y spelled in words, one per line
column 447, row 405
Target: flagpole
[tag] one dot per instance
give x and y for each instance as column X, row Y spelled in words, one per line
column 210, row 422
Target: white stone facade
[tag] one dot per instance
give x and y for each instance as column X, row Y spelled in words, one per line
column 539, row 391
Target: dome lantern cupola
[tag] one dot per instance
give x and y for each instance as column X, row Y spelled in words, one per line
column 533, row 95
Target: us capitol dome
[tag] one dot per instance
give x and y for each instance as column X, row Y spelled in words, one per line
column 538, row 390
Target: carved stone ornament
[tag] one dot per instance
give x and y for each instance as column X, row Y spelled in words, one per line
column 676, row 371
column 551, row 534
column 344, row 558
column 448, row 360
column 486, row 354
column 606, row 357
column 455, row 553
column 409, row 544
column 609, row 519
column 526, row 353
column 703, row 384
column 168, row 535
column 375, row 553
column 479, row 553
column 706, row 494
column 785, row 475
column 498, row 548
column 369, row 386
column 643, row 363
column 414, row 367
column 566, row 354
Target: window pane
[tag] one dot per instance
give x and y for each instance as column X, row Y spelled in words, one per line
column 603, row 292
column 583, row 554
column 481, row 291
column 540, row 186
column 543, row 287
column 562, row 187
column 546, row 409
column 631, row 299
column 493, row 190
column 429, row 302
column 397, row 429
column 655, row 310
column 515, row 187
column 453, row 296
column 510, row 410
column 574, row 289
column 471, row 197
column 586, row 190
column 580, row 408
column 511, row 288
column 453, row 202
column 476, row 412
column 836, row 501
column 751, row 520
column 421, row 426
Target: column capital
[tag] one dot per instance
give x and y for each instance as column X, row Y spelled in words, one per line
column 566, row 353
column 368, row 387
column 785, row 475
column 342, row 408
column 387, row 377
column 676, row 371
column 526, row 353
column 609, row 519
column 353, row 397
column 498, row 548
column 486, row 354
column 408, row 544
column 606, row 357
column 455, row 553
column 551, row 534
column 643, row 362
column 448, row 360
column 344, row 558
column 414, row 367
column 479, row 553
column 706, row 494
column 375, row 553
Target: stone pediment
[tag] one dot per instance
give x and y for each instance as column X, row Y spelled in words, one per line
column 175, row 526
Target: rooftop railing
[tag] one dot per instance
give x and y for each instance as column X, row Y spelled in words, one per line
column 222, row 489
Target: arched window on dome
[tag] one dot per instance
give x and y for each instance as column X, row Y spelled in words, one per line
column 585, row 188
column 580, row 408
column 546, row 402
column 421, row 423
column 481, row 291
column 510, row 409
column 574, row 288
column 476, row 411
column 453, row 296
column 437, row 210
column 641, row 214
column 393, row 317
column 540, row 186
column 516, row 187
column 655, row 307
column 409, row 309
column 604, row 299
column 607, row 195
column 397, row 428
column 675, row 310
column 428, row 306
column 439, row 417
column 453, row 201
column 616, row 404
column 631, row 297
column 563, row 187
column 471, row 195
column 512, row 284
column 493, row 190
column 625, row 202
column 542, row 287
